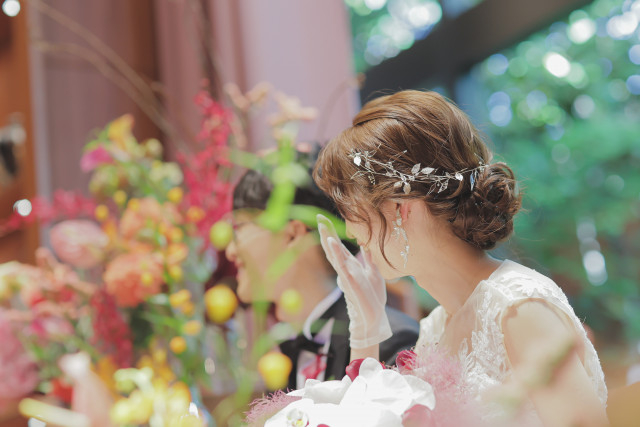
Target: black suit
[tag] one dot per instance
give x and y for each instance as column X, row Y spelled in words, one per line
column 405, row 335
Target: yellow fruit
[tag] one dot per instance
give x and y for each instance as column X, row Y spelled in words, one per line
column 221, row 234
column 176, row 235
column 134, row 204
column 146, row 278
column 220, row 302
column 188, row 308
column 153, row 148
column 176, row 273
column 190, row 420
column 179, row 298
column 176, row 253
column 192, row 327
column 159, row 356
column 162, row 228
column 120, row 197
column 101, row 213
column 275, row 367
column 175, row 195
column 291, row 301
column 195, row 214
column 145, row 362
column 178, row 345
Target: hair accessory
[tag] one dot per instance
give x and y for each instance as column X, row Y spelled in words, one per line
column 365, row 160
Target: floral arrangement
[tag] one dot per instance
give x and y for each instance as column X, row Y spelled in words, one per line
column 125, row 287
column 117, row 307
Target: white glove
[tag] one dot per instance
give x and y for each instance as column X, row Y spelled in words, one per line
column 363, row 287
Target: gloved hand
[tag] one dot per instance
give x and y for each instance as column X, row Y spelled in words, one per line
column 363, row 287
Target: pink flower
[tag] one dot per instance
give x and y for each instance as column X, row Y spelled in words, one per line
column 418, row 416
column 406, row 361
column 80, row 243
column 94, row 158
column 17, row 370
column 48, row 327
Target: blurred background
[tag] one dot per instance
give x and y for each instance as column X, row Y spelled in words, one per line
column 554, row 84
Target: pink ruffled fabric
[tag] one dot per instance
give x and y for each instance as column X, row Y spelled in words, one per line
column 455, row 403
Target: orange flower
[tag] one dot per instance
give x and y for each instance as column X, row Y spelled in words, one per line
column 123, row 278
column 147, row 211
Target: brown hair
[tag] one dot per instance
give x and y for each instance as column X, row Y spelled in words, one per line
column 435, row 133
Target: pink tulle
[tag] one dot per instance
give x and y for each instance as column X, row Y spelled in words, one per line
column 264, row 408
column 455, row 402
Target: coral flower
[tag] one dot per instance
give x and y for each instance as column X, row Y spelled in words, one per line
column 123, row 278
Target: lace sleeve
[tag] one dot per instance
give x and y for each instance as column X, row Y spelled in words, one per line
column 432, row 327
column 527, row 285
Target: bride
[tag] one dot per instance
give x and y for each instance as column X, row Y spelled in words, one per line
column 423, row 198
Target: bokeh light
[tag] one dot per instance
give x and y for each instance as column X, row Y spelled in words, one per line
column 23, row 207
column 382, row 29
column 581, row 30
column 557, row 64
column 633, row 84
column 11, row 7
column 634, row 54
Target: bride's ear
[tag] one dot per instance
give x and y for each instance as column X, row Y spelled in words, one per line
column 405, row 210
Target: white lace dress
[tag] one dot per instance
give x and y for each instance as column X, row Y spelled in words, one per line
column 482, row 349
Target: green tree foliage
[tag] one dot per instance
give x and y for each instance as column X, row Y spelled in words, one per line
column 563, row 109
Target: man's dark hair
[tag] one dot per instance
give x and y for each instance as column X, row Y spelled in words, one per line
column 254, row 189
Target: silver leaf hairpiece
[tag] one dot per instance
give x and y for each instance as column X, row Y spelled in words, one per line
column 440, row 182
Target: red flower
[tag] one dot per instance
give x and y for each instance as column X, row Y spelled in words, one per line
column 112, row 335
column 205, row 174
column 406, row 361
column 61, row 390
column 353, row 370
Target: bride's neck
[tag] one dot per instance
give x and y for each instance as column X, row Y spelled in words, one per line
column 453, row 272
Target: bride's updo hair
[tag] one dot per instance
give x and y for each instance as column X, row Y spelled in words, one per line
column 437, row 134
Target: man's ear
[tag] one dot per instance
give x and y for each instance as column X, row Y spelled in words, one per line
column 295, row 230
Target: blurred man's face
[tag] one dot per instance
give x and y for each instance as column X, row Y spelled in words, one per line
column 254, row 250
